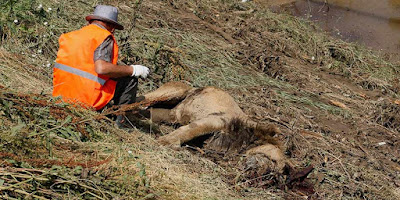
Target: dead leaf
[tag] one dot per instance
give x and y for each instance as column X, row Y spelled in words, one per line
column 363, row 95
column 338, row 104
column 397, row 101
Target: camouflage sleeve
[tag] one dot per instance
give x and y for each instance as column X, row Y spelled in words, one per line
column 104, row 51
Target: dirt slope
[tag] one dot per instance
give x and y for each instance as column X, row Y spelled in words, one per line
column 337, row 104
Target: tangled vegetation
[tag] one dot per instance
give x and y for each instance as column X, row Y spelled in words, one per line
column 44, row 149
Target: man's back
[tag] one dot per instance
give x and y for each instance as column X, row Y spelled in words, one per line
column 75, row 78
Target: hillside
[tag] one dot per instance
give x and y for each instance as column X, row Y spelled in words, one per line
column 337, row 104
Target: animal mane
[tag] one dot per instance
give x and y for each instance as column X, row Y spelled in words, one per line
column 238, row 137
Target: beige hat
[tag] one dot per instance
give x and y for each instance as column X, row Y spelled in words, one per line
column 107, row 14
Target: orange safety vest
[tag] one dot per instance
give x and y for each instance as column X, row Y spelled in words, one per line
column 74, row 77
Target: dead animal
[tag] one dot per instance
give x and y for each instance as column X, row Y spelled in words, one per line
column 202, row 111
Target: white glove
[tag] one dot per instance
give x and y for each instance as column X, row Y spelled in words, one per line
column 140, row 70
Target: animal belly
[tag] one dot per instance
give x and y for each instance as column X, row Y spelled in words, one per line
column 198, row 108
column 187, row 113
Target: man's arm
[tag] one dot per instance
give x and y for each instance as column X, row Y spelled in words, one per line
column 102, row 63
column 113, row 71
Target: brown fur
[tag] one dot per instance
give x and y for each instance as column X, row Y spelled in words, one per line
column 205, row 110
column 237, row 137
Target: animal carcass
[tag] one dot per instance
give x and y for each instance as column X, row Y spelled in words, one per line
column 207, row 110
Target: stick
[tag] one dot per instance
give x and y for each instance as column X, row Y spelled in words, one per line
column 341, row 164
column 22, row 192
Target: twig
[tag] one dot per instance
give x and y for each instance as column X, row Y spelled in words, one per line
column 87, row 192
column 341, row 164
column 21, row 170
column 17, row 184
column 95, row 186
column 279, row 122
column 8, row 197
column 24, row 176
column 49, row 192
column 59, row 181
column 23, row 192
column 130, row 107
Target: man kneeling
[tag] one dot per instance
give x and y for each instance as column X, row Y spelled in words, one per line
column 86, row 70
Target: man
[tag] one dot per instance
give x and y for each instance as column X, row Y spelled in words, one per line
column 86, row 70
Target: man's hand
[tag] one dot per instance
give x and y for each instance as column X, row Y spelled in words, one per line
column 140, row 70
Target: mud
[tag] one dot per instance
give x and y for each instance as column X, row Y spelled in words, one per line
column 374, row 23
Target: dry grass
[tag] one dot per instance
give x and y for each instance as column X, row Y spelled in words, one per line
column 19, row 74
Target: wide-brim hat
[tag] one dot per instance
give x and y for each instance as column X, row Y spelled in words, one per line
column 107, row 14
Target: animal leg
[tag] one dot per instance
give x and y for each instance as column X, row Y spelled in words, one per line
column 194, row 129
column 162, row 115
column 169, row 91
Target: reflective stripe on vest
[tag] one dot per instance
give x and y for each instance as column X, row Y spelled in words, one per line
column 80, row 73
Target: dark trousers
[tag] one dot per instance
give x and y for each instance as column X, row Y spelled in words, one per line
column 125, row 92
